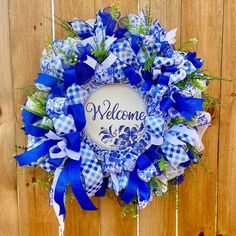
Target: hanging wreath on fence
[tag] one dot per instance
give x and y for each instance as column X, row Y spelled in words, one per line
column 116, row 107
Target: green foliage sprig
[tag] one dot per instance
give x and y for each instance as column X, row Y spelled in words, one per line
column 181, row 120
column 210, row 101
column 44, row 180
column 188, row 45
column 64, row 25
column 156, row 186
column 100, row 52
column 38, row 100
column 196, row 79
column 162, row 164
column 115, row 10
column 148, row 14
column 130, row 209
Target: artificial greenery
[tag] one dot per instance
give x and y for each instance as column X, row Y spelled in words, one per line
column 156, row 186
column 100, row 52
column 148, row 13
column 210, row 101
column 130, row 209
column 64, row 25
column 187, row 46
column 162, row 164
column 181, row 120
column 38, row 100
column 44, row 180
column 115, row 10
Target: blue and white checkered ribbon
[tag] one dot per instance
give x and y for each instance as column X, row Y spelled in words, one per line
column 77, row 94
column 82, row 28
column 100, row 30
column 64, row 124
column 174, row 144
column 91, row 169
column 154, row 125
column 125, row 53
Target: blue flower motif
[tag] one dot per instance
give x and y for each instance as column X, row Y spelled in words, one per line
column 122, row 142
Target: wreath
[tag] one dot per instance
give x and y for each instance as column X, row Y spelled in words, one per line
column 116, row 106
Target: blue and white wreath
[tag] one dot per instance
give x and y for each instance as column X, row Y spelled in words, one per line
column 138, row 160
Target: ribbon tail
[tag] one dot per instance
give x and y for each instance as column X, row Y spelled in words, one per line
column 144, row 191
column 60, row 190
column 77, row 186
column 56, row 207
column 35, row 154
column 102, row 191
column 131, row 189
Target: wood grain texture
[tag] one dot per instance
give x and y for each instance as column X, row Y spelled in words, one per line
column 70, row 9
column 8, row 180
column 112, row 222
column 159, row 218
column 197, row 206
column 78, row 222
column 227, row 137
column 205, row 208
column 29, row 30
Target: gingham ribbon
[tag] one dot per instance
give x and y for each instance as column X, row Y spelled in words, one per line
column 174, row 144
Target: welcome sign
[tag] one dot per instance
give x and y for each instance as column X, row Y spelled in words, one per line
column 115, row 116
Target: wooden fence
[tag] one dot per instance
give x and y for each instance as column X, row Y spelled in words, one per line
column 206, row 203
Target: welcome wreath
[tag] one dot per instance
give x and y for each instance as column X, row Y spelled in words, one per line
column 116, row 107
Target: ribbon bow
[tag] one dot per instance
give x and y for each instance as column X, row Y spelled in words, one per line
column 138, row 181
column 64, row 153
column 186, row 106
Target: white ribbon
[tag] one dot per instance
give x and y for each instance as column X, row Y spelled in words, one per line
column 62, row 145
column 191, row 133
column 106, row 63
column 56, row 207
column 115, row 183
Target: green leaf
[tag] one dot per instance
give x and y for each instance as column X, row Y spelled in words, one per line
column 115, row 10
column 100, row 52
column 187, row 46
column 162, row 164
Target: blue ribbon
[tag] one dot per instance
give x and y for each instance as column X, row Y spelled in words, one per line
column 197, row 62
column 46, row 80
column 77, row 187
column 135, row 183
column 71, row 175
column 79, row 74
column 154, row 154
column 132, row 75
column 136, row 42
column 108, row 21
column 186, row 106
column 35, row 154
column 163, row 79
column 29, row 119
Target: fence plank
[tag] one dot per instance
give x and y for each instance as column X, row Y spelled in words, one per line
column 203, row 19
column 160, row 217
column 227, row 162
column 28, row 32
column 112, row 223
column 78, row 222
column 8, row 189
